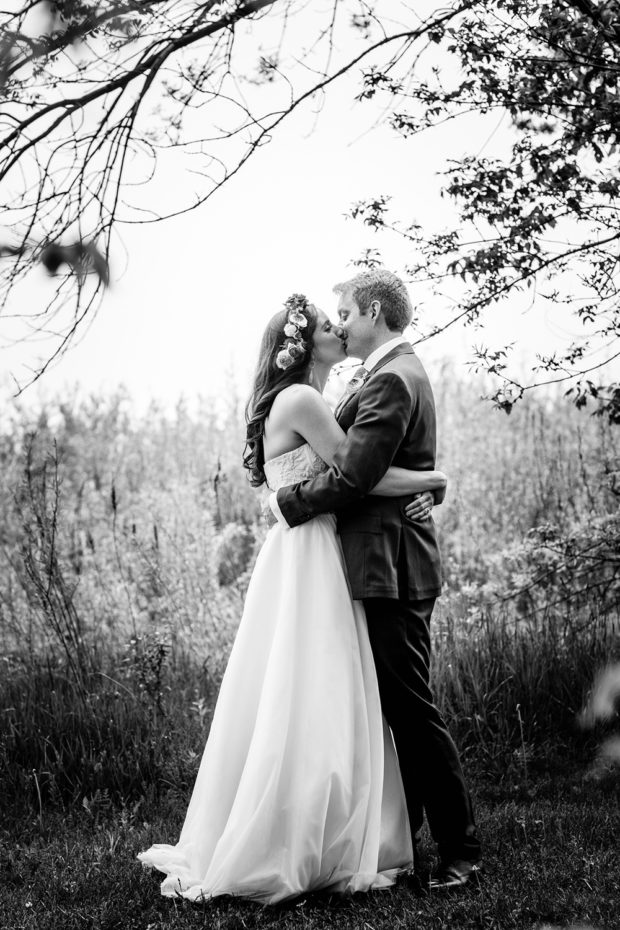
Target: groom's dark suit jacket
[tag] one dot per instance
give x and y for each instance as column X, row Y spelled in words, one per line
column 389, row 421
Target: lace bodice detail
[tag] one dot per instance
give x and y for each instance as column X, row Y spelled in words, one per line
column 293, row 466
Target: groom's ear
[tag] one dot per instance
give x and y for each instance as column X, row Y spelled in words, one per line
column 374, row 310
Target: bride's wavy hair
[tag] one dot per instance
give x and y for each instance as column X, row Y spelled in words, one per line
column 269, row 380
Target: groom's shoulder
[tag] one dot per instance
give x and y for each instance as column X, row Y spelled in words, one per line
column 407, row 365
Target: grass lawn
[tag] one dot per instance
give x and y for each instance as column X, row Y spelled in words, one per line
column 551, row 859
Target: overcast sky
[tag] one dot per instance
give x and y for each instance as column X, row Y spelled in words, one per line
column 190, row 298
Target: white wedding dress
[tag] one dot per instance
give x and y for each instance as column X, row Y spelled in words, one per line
column 299, row 787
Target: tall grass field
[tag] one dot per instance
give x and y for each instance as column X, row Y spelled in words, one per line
column 126, row 545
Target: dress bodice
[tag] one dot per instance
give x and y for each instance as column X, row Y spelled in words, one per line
column 293, row 466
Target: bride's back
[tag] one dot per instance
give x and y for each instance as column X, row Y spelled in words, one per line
column 280, row 435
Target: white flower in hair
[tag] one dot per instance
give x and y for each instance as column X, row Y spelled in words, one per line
column 296, row 349
column 297, row 318
column 293, row 348
column 283, row 359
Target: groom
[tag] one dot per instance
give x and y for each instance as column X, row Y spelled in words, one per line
column 393, row 563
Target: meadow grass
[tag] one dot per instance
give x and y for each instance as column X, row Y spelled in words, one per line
column 510, row 700
column 126, row 548
column 551, row 858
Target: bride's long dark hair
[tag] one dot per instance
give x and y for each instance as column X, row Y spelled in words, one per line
column 269, row 381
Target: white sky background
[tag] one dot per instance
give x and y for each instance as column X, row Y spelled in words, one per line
column 187, row 311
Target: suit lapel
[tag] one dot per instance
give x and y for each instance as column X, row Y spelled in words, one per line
column 345, row 401
column 403, row 349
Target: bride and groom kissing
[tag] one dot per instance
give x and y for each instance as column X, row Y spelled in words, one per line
column 326, row 748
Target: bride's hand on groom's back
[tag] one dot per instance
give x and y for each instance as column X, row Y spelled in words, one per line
column 420, row 507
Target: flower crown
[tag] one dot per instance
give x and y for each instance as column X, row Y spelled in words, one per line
column 293, row 347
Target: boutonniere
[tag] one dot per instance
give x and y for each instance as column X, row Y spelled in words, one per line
column 358, row 379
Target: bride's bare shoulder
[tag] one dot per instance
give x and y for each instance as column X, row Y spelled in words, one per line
column 298, row 396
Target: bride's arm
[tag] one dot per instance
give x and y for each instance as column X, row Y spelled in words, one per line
column 315, row 422
column 397, row 482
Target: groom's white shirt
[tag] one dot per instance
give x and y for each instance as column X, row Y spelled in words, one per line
column 373, row 359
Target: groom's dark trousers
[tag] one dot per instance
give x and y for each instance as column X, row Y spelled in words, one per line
column 393, row 566
column 430, row 767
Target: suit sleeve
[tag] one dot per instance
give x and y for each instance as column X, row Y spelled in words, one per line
column 364, row 456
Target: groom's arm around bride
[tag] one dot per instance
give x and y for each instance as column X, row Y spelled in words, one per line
column 389, row 421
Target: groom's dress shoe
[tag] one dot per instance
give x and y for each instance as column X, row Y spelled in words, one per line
column 415, row 882
column 455, row 874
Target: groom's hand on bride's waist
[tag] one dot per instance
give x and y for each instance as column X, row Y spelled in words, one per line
column 272, row 512
column 420, row 507
column 267, row 513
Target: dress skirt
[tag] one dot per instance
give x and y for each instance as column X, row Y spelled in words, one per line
column 299, row 787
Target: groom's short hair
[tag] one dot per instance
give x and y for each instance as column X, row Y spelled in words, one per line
column 384, row 286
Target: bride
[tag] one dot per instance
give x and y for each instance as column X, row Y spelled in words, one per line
column 299, row 787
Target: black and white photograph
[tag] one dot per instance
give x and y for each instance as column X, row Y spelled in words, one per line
column 310, row 465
